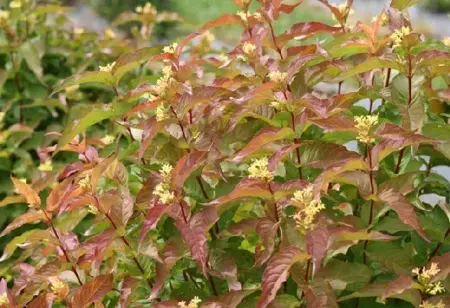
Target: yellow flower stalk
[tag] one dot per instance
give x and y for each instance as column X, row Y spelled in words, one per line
column 364, row 125
column 426, row 304
column 47, row 166
column 424, row 277
column 107, row 68
column 277, row 77
column 259, row 170
column 249, row 48
column 170, row 48
column 308, row 206
column 192, row 304
column 162, row 190
column 398, row 36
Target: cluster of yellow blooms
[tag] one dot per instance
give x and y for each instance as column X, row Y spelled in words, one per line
column 246, row 15
column 249, row 48
column 399, row 35
column 107, row 68
column 163, row 83
column 162, row 190
column 192, row 304
column 426, row 304
column 108, row 139
column 110, row 34
column 364, row 124
column 277, row 77
column 446, row 41
column 309, row 208
column 147, row 9
column 85, row 182
column 207, row 38
column 384, row 19
column 259, row 170
column 47, row 166
column 4, row 16
column 16, row 4
column 4, row 301
column 161, row 113
column 425, row 275
column 170, row 48
column 58, row 286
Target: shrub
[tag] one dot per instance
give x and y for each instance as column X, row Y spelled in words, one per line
column 253, row 178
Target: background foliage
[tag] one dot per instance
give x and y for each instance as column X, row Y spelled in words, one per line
column 290, row 170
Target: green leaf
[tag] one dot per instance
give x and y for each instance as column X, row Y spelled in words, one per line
column 369, row 65
column 131, row 60
column 32, row 51
column 402, row 4
column 344, row 275
column 88, row 77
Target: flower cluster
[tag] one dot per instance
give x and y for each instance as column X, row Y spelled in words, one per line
column 259, row 170
column 16, row 4
column 277, row 77
column 163, row 83
column 207, row 38
column 424, row 277
column 249, row 48
column 192, row 304
column 246, row 15
column 85, row 182
column 170, row 48
column 92, row 208
column 110, row 34
column 4, row 16
column 4, row 301
column 398, row 36
column 446, row 41
column 162, row 190
column 107, row 68
column 108, row 139
column 147, row 9
column 58, row 286
column 364, row 125
column 384, row 19
column 309, row 208
column 47, row 166
column 426, row 304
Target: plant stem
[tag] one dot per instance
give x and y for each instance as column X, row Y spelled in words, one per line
column 372, row 190
column 386, row 82
column 277, row 216
column 297, row 141
column 436, row 250
column 339, row 88
column 213, row 286
column 61, row 245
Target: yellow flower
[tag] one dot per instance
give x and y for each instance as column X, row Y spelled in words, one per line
column 163, row 83
column 207, row 38
column 277, row 77
column 170, row 48
column 241, row 58
column 435, row 288
column 308, row 206
column 147, row 9
column 92, row 208
column 166, row 172
column 4, row 16
column 242, row 15
column 259, row 170
column 426, row 304
column 85, row 182
column 257, row 16
column 108, row 68
column 364, row 125
column 108, row 139
column 47, row 166
column 15, row 4
column 162, row 190
column 161, row 113
column 424, row 277
column 223, row 58
column 398, row 36
column 4, row 301
column 249, row 48
column 192, row 304
column 446, row 41
column 58, row 286
column 78, row 31
column 110, row 34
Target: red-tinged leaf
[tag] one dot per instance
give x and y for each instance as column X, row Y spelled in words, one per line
column 200, row 95
column 288, row 8
column 92, row 291
column 278, row 156
column 93, row 250
column 166, row 304
column 99, row 170
column 151, row 128
column 223, row 266
column 246, row 188
column 27, row 191
column 316, row 154
column 267, row 230
column 329, row 174
column 44, row 300
column 398, row 286
column 11, row 200
column 26, row 218
column 79, row 201
column 305, row 29
column 240, row 228
column 145, row 195
column 320, row 295
column 443, row 263
column 131, row 60
column 369, row 65
column 263, row 137
column 277, row 272
column 284, row 189
column 403, row 183
column 122, row 211
column 194, row 234
column 359, row 179
column 336, row 123
column 174, row 251
column 128, row 285
column 404, row 209
column 4, row 290
column 224, row 20
column 229, row 300
column 154, row 215
column 185, row 166
column 317, row 245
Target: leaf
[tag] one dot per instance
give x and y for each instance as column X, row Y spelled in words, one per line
column 320, row 295
column 90, row 116
column 343, row 275
column 194, row 234
column 397, row 286
column 87, row 77
column 316, row 154
column 122, row 211
column 278, row 156
column 402, row 4
column 26, row 218
column 263, row 137
column 131, row 60
column 151, row 129
column 370, row 65
column 305, row 29
column 26, row 191
column 92, row 291
column 174, row 251
column 277, row 272
column 32, row 51
column 128, row 285
column 404, row 209
column 200, row 95
column 246, row 188
column 267, row 230
column 229, row 300
column 154, row 215
column 223, row 266
column 44, row 300
column 185, row 166
column 285, row 301
column 336, row 123
column 317, row 245
column 226, row 19
column 443, row 262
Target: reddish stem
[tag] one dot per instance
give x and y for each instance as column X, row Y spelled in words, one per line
column 277, row 216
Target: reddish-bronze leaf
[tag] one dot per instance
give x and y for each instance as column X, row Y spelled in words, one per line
column 228, row 300
column 93, row 250
column 443, row 263
column 185, row 166
column 26, row 218
column 404, row 209
column 263, row 137
column 129, row 283
column 122, row 211
column 200, row 95
column 154, row 215
column 246, row 188
column 226, row 19
column 335, row 123
column 305, row 29
column 44, row 300
column 27, row 191
column 317, row 245
column 320, row 295
column 223, row 266
column 398, row 286
column 277, row 272
column 267, row 230
column 242, row 227
column 316, row 154
column 151, row 128
column 278, row 156
column 4, row 290
column 92, row 291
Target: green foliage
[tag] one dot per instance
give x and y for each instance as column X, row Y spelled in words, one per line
column 180, row 176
